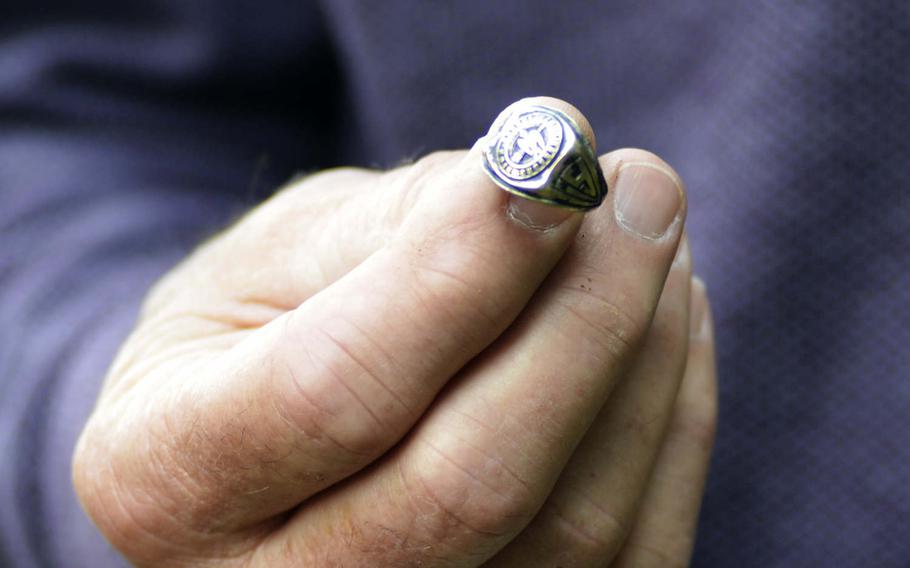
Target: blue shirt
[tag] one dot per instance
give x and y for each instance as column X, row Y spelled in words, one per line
column 131, row 130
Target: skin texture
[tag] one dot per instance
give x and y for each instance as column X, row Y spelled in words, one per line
column 413, row 368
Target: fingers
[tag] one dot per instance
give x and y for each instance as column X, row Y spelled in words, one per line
column 323, row 390
column 586, row 517
column 480, row 464
column 309, row 235
column 664, row 532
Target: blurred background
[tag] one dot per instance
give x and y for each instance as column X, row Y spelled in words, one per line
column 131, row 130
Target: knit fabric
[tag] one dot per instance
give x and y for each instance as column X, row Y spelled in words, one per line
column 130, row 131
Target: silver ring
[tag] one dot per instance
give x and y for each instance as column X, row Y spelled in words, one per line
column 539, row 153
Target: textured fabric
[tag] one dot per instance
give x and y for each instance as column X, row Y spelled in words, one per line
column 132, row 130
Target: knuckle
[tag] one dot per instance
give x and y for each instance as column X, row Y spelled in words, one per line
column 320, row 423
column 613, row 328
column 586, row 529
column 646, row 427
column 669, row 333
column 325, row 406
column 451, row 298
column 457, row 496
column 697, row 425
column 127, row 510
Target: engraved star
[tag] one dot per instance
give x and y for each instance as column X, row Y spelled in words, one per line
column 530, row 142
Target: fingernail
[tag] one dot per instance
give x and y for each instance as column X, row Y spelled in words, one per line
column 536, row 216
column 698, row 316
column 647, row 199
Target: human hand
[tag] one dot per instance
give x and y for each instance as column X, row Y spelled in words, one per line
column 357, row 374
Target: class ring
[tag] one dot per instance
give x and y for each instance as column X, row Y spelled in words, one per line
column 539, row 153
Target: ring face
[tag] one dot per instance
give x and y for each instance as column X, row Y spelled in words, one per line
column 539, row 153
column 528, row 144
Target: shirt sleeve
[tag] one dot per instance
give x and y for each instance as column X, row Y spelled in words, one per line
column 128, row 132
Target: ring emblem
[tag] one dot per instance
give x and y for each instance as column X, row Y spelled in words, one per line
column 529, row 144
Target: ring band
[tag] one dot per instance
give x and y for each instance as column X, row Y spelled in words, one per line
column 539, row 153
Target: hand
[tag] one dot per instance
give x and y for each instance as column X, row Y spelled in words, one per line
column 413, row 368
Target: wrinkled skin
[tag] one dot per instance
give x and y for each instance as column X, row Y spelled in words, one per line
column 414, row 368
